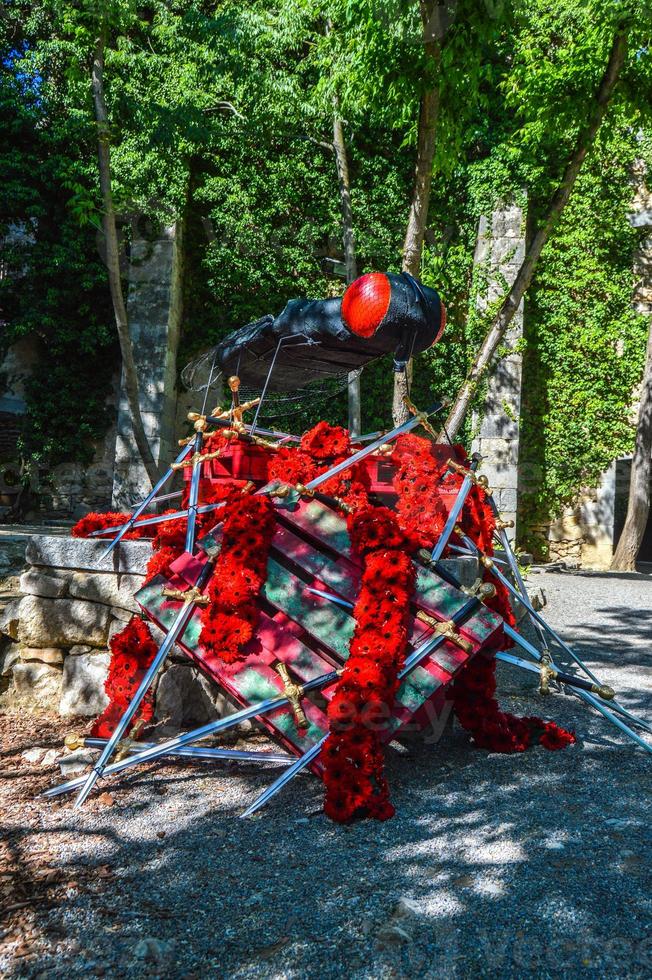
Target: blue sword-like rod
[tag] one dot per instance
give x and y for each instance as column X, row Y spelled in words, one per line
column 585, row 695
column 532, row 650
column 543, row 624
column 181, row 621
column 193, row 496
column 176, row 515
column 186, row 752
column 157, row 500
column 413, row 661
column 569, row 680
column 212, row 728
column 505, row 544
column 143, row 504
column 455, row 511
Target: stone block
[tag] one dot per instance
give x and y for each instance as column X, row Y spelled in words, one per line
column 507, row 501
column 464, row 569
column 498, row 452
column 507, row 222
column 40, row 683
column 185, row 698
column 112, row 590
column 62, row 622
column 8, row 658
column 566, row 529
column 83, row 554
column 44, row 655
column 507, row 254
column 72, row 763
column 124, row 615
column 43, row 582
column 9, row 619
column 82, row 690
column 496, row 424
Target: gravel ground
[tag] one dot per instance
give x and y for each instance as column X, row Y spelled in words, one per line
column 510, row 866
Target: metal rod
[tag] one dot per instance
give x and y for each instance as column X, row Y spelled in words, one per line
column 193, row 497
column 285, row 777
column 455, row 511
column 589, row 698
column 198, row 751
column 265, row 386
column 212, row 728
column 141, row 507
column 159, row 519
column 539, row 621
column 604, row 692
column 158, row 500
column 505, row 543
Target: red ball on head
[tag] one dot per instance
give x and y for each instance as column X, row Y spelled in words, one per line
column 365, row 303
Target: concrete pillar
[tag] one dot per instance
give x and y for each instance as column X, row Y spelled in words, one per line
column 500, row 250
column 154, row 309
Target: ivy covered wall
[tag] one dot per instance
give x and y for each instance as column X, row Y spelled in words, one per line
column 584, row 343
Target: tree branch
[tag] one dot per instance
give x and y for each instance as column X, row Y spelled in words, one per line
column 556, row 207
column 113, row 261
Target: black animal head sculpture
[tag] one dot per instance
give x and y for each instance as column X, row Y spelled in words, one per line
column 379, row 314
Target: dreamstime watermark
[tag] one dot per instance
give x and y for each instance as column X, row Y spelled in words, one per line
column 428, row 722
column 465, row 950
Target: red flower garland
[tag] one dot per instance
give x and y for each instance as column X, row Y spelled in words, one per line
column 420, row 509
column 325, row 442
column 97, row 522
column 359, row 710
column 422, row 514
column 321, row 448
column 132, row 651
column 230, row 621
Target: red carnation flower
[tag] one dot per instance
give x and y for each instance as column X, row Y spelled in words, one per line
column 555, row 738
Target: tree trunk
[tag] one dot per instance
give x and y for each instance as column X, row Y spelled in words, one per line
column 556, row 207
column 113, row 262
column 417, row 220
column 350, row 261
column 418, row 217
column 638, row 506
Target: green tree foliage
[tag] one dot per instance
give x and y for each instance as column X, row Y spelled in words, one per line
column 55, row 287
column 219, row 113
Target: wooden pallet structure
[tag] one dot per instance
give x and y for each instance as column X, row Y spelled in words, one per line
column 303, row 635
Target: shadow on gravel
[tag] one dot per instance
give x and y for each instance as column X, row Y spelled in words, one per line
column 623, row 639
column 494, row 865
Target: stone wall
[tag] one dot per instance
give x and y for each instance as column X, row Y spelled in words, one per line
column 55, row 635
column 154, row 308
column 585, row 535
column 70, row 606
